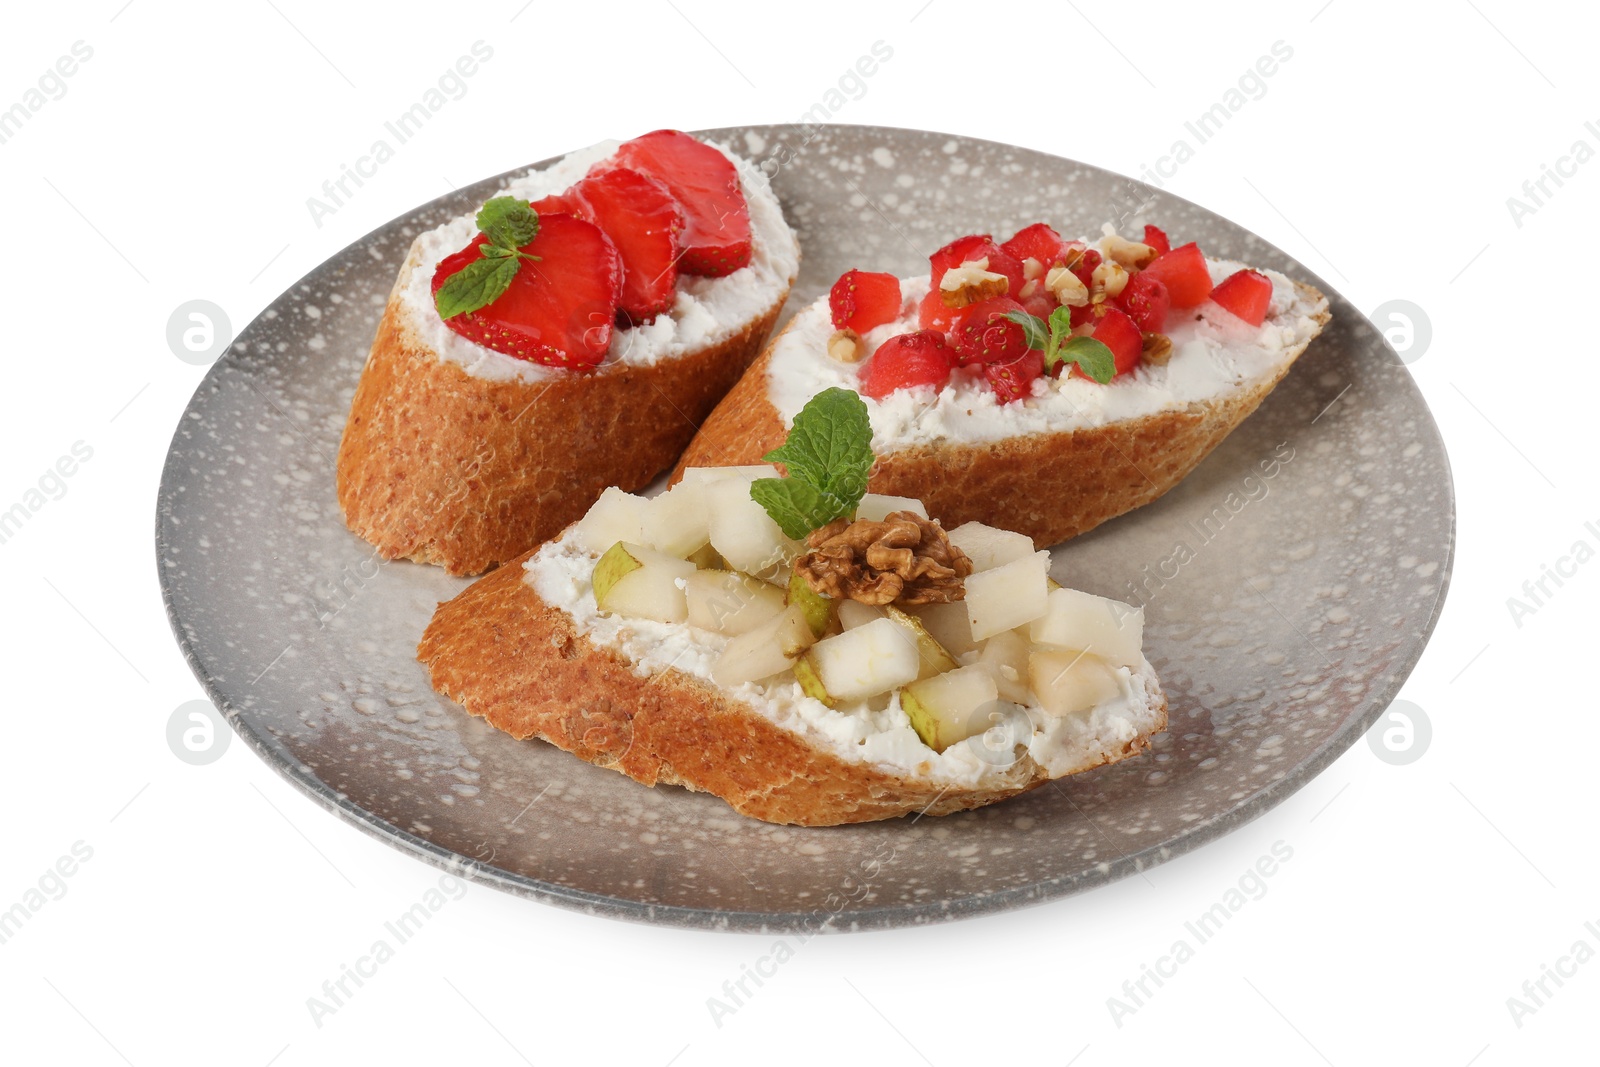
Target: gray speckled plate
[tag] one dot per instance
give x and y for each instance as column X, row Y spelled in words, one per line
column 1290, row 584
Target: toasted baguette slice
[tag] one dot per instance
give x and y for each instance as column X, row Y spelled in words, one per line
column 528, row 667
column 1052, row 466
column 465, row 457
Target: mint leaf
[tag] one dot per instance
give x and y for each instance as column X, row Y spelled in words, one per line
column 830, row 445
column 828, row 454
column 476, row 285
column 489, row 251
column 509, row 222
column 797, row 506
column 1093, row 356
column 1060, row 329
column 1033, row 328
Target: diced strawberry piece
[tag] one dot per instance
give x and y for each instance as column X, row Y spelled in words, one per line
column 559, row 309
column 1117, row 332
column 1156, row 238
column 974, row 247
column 643, row 220
column 1185, row 274
column 1247, row 294
column 983, row 334
column 1012, row 379
column 905, row 361
column 933, row 315
column 1087, row 313
column 1146, row 301
column 716, row 235
column 1038, row 241
column 1040, row 303
column 863, row 299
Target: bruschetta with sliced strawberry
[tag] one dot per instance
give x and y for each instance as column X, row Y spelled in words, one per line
column 1039, row 384
column 567, row 336
column 809, row 652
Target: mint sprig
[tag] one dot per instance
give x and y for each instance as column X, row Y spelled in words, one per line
column 828, row 454
column 1059, row 346
column 509, row 223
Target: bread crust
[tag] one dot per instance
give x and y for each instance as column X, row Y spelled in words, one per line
column 439, row 466
column 505, row 655
column 1050, row 486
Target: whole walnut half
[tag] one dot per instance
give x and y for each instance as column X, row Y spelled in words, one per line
column 904, row 558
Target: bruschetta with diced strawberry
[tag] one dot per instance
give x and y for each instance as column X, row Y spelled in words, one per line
column 1039, row 384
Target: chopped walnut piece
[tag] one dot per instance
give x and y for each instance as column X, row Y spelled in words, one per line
column 1131, row 254
column 967, row 283
column 845, row 346
column 1157, row 349
column 1068, row 288
column 905, row 559
column 1108, row 279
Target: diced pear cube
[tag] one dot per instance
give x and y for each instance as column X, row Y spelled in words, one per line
column 1109, row 628
column 866, row 661
column 728, row 603
column 876, row 506
column 853, row 613
column 769, row 649
column 1006, row 657
column 1007, row 596
column 1065, row 681
column 677, row 522
column 949, row 625
column 745, row 535
column 988, row 547
column 616, row 516
column 935, row 660
column 706, row 475
column 949, row 707
column 642, row 583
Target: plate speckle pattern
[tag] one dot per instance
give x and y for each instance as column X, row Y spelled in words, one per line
column 1289, row 586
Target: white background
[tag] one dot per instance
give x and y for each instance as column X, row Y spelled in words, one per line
column 218, row 899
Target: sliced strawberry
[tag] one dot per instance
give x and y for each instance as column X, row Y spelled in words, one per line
column 983, row 334
column 1117, row 332
column 1146, row 301
column 1185, row 274
column 974, row 247
column 1012, row 379
column 559, row 309
column 1038, row 241
column 1156, row 238
column 905, row 361
column 863, row 299
column 716, row 235
column 643, row 220
column 562, row 204
column 1247, row 294
column 933, row 315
